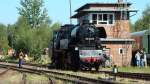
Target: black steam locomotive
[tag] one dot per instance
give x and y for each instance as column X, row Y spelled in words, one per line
column 77, row 47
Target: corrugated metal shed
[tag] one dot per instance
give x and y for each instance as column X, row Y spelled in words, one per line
column 142, row 39
column 140, row 33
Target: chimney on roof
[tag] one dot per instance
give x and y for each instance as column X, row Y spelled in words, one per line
column 120, row 1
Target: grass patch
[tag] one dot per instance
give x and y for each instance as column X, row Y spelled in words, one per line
column 134, row 69
column 36, row 77
column 130, row 69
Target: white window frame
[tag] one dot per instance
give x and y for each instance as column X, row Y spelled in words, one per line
column 122, row 51
column 98, row 21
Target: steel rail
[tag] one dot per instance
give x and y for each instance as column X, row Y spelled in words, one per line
column 22, row 70
column 4, row 72
column 64, row 76
column 142, row 76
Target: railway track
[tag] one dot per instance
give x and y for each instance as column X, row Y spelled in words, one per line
column 61, row 76
column 26, row 63
column 24, row 71
column 5, row 71
column 141, row 76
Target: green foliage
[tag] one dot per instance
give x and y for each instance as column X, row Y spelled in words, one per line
column 32, row 40
column 33, row 12
column 9, row 59
column 130, row 69
column 31, row 33
column 22, row 22
column 56, row 26
column 144, row 22
column 134, row 69
column 3, row 38
column 139, row 25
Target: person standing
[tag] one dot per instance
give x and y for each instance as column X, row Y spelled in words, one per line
column 21, row 55
column 144, row 59
column 115, row 71
column 137, row 57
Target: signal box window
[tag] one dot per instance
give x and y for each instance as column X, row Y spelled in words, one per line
column 103, row 18
column 110, row 19
column 100, row 17
column 94, row 18
column 121, row 51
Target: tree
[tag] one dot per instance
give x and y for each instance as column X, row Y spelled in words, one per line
column 33, row 31
column 33, row 12
column 55, row 26
column 3, row 38
column 139, row 25
column 144, row 22
column 32, row 41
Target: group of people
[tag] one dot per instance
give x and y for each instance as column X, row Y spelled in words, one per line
column 141, row 58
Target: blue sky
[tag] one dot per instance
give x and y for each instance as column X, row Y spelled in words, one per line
column 58, row 10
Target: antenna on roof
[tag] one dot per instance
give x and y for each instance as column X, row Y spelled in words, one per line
column 70, row 11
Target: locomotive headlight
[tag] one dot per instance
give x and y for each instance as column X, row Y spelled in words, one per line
column 76, row 48
column 99, row 47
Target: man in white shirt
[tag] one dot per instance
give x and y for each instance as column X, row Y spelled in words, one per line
column 137, row 57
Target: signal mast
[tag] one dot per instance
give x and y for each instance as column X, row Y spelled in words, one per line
column 70, row 11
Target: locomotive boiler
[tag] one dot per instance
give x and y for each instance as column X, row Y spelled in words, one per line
column 77, row 47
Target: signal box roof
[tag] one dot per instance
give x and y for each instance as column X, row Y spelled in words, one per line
column 88, row 5
column 102, row 7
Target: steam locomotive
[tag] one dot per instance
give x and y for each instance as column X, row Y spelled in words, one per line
column 77, row 47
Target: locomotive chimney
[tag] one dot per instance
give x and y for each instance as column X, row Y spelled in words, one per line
column 85, row 22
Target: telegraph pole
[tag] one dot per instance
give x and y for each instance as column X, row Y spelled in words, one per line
column 148, row 35
column 70, row 11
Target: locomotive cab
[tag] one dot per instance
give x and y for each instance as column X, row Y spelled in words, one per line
column 61, row 39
